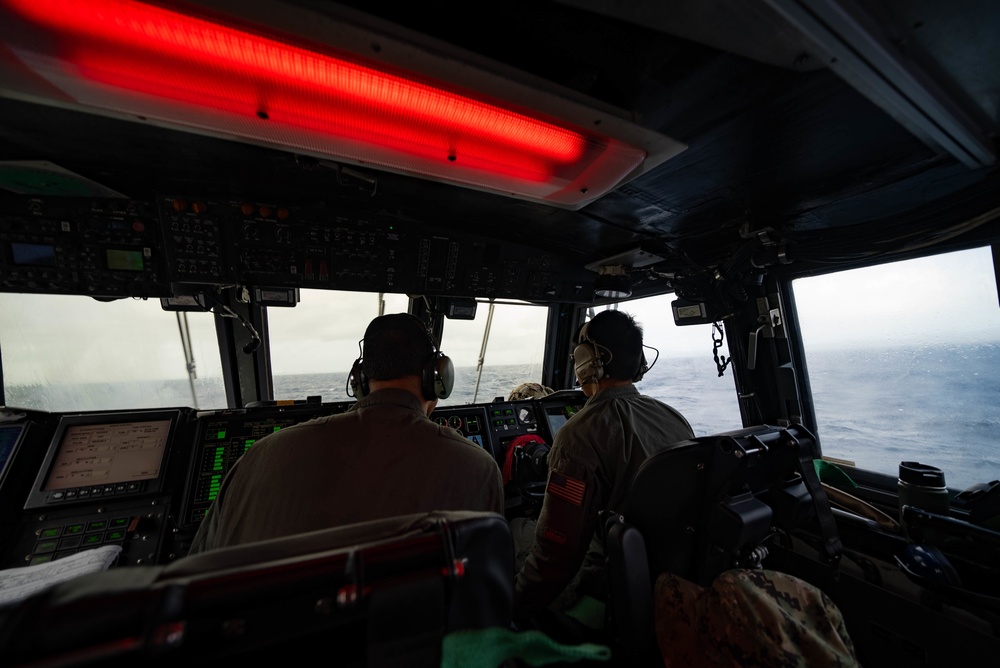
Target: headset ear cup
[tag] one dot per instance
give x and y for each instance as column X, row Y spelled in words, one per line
column 438, row 377
column 587, row 362
column 444, row 380
column 598, row 362
column 358, row 380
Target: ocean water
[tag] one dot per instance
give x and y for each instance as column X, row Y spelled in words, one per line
column 939, row 405
column 495, row 382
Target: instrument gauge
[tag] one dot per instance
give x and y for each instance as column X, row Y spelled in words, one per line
column 525, row 414
column 455, row 422
column 442, row 421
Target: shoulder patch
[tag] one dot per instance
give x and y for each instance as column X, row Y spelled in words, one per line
column 566, row 488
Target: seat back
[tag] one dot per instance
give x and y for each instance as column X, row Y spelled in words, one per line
column 631, row 594
column 377, row 593
column 706, row 505
column 702, row 507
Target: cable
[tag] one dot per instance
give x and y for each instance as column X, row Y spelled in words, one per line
column 650, row 366
column 230, row 313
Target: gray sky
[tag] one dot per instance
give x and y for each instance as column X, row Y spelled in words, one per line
column 946, row 298
column 53, row 339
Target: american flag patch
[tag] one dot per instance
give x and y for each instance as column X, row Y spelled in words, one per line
column 566, row 488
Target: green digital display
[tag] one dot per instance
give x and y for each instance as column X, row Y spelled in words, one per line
column 124, row 260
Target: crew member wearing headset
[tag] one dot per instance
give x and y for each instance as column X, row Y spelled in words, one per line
column 382, row 458
column 593, row 459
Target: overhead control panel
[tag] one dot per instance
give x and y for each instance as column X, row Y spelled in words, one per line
column 109, row 247
column 257, row 243
column 124, row 248
column 193, row 242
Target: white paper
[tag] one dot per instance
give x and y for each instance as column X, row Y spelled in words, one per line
column 19, row 583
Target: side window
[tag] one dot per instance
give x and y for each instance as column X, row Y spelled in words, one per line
column 65, row 353
column 685, row 374
column 904, row 364
column 514, row 346
column 315, row 343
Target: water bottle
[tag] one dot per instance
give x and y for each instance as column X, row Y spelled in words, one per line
column 922, row 486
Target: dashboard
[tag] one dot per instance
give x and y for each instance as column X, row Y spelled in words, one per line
column 143, row 480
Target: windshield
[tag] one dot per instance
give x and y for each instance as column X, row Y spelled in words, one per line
column 904, row 364
column 514, row 346
column 64, row 353
column 314, row 345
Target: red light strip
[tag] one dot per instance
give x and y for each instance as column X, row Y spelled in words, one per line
column 197, row 88
column 130, row 57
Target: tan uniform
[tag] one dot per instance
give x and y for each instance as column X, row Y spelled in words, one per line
column 594, row 457
column 382, row 458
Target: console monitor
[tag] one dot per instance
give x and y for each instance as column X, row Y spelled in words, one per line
column 470, row 421
column 10, row 439
column 556, row 415
column 222, row 437
column 104, row 455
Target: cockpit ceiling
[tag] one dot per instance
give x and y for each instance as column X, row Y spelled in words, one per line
column 783, row 149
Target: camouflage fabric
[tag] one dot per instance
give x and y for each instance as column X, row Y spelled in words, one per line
column 753, row 618
column 529, row 391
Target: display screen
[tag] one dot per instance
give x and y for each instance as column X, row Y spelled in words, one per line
column 125, row 260
column 35, row 255
column 9, row 437
column 556, row 416
column 108, row 453
column 223, row 437
column 469, row 421
column 556, row 420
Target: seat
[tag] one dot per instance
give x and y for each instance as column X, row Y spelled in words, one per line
column 702, row 507
column 376, row 594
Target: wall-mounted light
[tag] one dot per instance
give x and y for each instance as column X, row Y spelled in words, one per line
column 203, row 70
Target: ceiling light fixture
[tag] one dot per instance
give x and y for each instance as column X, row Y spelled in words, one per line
column 613, row 282
column 206, row 72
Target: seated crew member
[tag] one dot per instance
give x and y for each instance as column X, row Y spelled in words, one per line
column 384, row 457
column 593, row 458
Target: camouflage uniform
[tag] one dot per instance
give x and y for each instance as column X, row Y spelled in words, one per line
column 529, row 391
column 757, row 618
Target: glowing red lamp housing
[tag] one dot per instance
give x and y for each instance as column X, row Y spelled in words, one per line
column 196, row 68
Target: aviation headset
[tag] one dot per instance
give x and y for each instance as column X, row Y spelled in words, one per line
column 589, row 359
column 437, row 377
